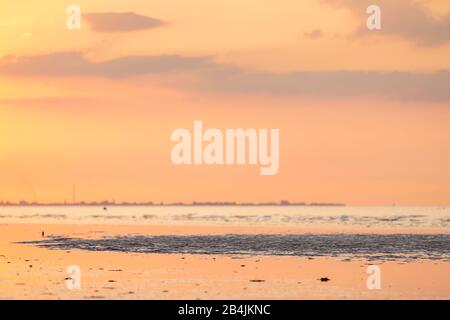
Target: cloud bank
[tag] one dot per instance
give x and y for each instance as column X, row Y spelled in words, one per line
column 212, row 77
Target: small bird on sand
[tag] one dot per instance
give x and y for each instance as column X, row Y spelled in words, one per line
column 325, row 279
column 43, row 234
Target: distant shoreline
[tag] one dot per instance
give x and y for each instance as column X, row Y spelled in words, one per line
column 176, row 204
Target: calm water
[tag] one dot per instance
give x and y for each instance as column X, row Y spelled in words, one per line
column 370, row 217
column 398, row 246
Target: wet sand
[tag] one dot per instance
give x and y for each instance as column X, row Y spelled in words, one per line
column 32, row 272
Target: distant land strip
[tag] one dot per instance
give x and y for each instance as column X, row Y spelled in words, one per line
column 150, row 203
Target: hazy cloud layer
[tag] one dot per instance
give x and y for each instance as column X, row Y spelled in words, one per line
column 74, row 64
column 212, row 77
column 404, row 18
column 120, row 22
column 47, row 101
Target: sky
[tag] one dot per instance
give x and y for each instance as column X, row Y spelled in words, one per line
column 364, row 116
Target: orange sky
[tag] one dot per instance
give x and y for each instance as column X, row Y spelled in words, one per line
column 363, row 118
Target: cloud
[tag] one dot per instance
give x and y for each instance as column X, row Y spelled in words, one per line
column 314, row 34
column 210, row 77
column 403, row 18
column 120, row 22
